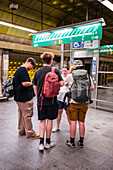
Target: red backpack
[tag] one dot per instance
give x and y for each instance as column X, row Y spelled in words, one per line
column 51, row 86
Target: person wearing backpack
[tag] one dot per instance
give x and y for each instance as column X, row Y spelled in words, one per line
column 47, row 82
column 23, row 95
column 79, row 84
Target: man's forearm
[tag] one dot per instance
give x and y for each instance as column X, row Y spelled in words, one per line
column 27, row 84
column 35, row 90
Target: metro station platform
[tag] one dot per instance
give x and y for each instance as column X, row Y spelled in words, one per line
column 21, row 153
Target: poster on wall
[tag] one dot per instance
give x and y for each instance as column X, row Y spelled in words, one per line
column 94, row 66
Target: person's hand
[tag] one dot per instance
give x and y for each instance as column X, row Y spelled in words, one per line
column 61, row 83
column 66, row 83
column 92, row 88
column 71, row 69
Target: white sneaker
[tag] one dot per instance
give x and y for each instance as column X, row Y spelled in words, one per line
column 41, row 147
column 72, row 145
column 56, row 129
column 51, row 145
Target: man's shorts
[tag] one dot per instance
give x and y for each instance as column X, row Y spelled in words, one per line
column 62, row 105
column 77, row 111
column 48, row 112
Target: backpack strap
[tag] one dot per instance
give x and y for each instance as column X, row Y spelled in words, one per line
column 41, row 95
column 53, row 69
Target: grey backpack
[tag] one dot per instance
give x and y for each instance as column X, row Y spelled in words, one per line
column 81, row 86
column 8, row 88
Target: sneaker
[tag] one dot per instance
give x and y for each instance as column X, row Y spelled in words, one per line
column 51, row 145
column 80, row 144
column 41, row 147
column 34, row 137
column 21, row 134
column 72, row 145
column 56, row 129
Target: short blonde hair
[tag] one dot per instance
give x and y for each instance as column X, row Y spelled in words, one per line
column 47, row 56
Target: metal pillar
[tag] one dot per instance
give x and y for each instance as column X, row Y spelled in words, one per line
column 0, row 72
column 62, row 56
column 95, row 74
column 5, row 65
column 97, row 69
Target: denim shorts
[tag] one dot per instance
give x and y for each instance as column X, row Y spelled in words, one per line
column 62, row 105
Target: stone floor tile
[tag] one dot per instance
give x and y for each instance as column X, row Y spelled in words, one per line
column 55, row 165
column 21, row 153
column 108, row 164
column 92, row 155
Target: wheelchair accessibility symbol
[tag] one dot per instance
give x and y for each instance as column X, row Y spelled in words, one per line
column 78, row 45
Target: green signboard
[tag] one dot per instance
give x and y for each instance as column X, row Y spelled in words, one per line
column 106, row 46
column 69, row 35
column 106, row 51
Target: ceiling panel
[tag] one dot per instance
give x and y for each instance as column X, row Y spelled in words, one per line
column 55, row 13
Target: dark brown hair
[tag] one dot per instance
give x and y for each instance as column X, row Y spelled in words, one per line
column 65, row 66
column 32, row 61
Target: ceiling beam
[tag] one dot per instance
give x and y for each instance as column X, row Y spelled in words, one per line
column 36, row 10
column 26, row 18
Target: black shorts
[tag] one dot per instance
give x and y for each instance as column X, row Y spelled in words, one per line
column 48, row 112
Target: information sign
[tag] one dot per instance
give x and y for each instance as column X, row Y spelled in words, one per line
column 77, row 45
column 69, row 35
column 94, row 66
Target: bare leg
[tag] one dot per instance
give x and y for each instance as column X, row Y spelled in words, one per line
column 72, row 128
column 81, row 129
column 42, row 128
column 49, row 128
column 68, row 117
column 59, row 117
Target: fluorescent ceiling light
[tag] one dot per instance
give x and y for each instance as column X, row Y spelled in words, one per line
column 17, row 26
column 107, row 3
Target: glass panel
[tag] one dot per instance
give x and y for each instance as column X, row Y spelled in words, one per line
column 106, row 105
column 105, row 94
column 106, row 64
column 105, row 79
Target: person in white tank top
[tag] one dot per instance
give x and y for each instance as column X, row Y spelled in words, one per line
column 60, row 99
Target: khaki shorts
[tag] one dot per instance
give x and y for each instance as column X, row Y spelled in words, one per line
column 77, row 111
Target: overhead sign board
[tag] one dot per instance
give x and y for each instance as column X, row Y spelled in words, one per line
column 69, row 35
column 106, row 51
column 106, row 46
column 91, row 44
column 85, row 44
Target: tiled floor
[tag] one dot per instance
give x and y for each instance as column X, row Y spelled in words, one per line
column 21, row 153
